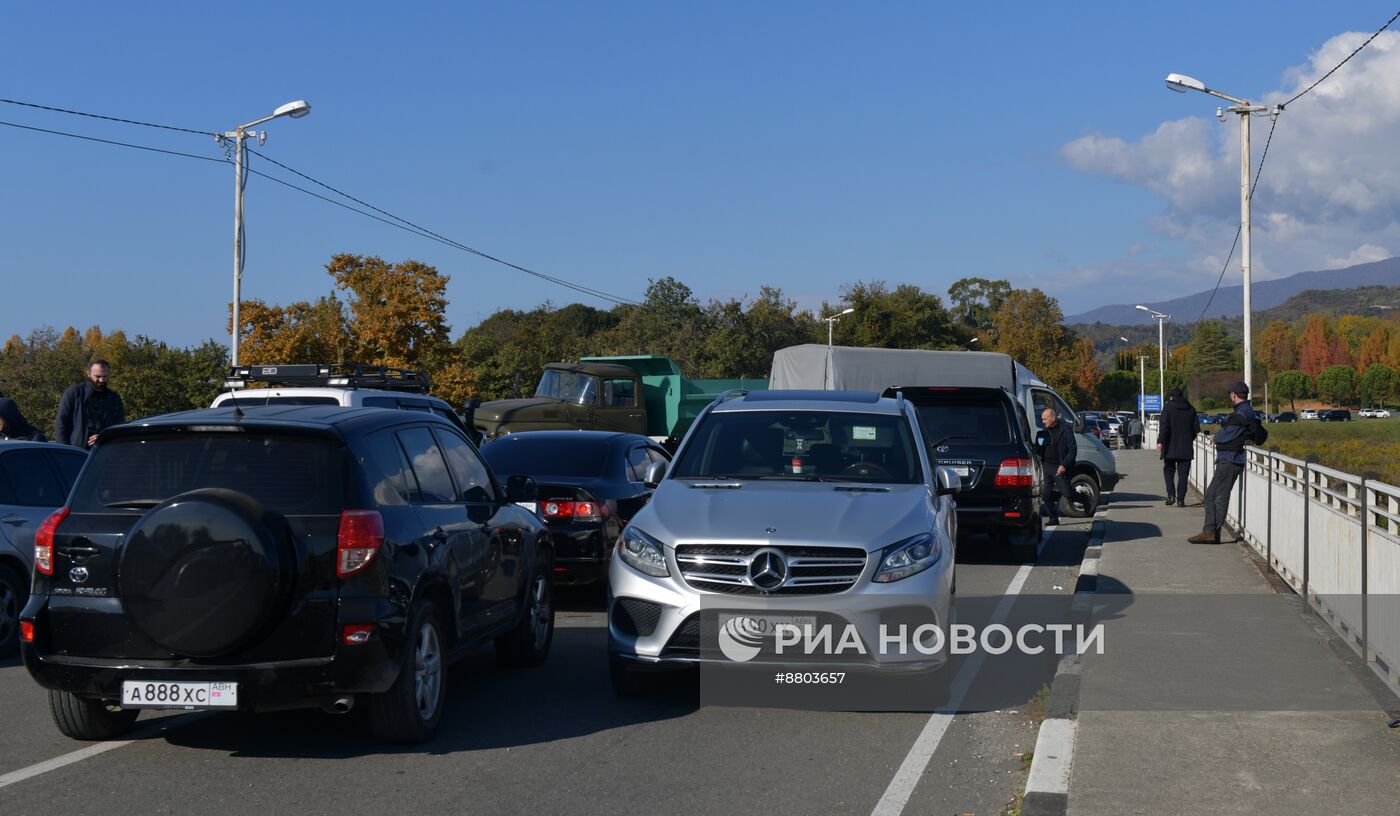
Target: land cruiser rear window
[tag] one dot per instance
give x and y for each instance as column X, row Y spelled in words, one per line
column 970, row 421
column 802, row 445
column 292, row 475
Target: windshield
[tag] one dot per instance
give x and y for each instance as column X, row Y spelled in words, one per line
column 801, row 445
column 966, row 422
column 531, row 455
column 290, row 475
column 568, row 386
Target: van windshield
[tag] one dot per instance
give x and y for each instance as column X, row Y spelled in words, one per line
column 801, row 445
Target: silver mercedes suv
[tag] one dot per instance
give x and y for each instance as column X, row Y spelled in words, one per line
column 784, row 510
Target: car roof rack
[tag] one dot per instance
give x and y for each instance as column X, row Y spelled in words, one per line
column 333, row 375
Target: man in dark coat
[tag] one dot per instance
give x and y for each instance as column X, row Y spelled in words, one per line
column 13, row 425
column 1057, row 460
column 88, row 408
column 1179, row 427
column 1230, row 442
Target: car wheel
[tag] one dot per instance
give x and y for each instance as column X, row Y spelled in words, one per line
column 527, row 645
column 14, row 591
column 82, row 719
column 411, row 710
column 1083, row 500
column 629, row 682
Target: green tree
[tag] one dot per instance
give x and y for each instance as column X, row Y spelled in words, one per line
column 743, row 336
column 1292, row 386
column 1337, row 384
column 1118, row 389
column 903, row 317
column 1378, row 385
column 1210, row 350
column 974, row 301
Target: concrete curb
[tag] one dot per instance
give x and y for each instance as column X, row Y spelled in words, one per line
column 1047, row 787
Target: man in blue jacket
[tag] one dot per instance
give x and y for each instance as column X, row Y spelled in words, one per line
column 1230, row 442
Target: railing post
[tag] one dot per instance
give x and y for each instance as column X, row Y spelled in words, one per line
column 1269, row 519
column 1365, row 557
column 1307, row 503
column 1240, row 512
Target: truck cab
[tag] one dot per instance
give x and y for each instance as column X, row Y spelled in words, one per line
column 595, row 396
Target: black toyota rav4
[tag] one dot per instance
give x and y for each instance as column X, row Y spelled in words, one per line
column 280, row 557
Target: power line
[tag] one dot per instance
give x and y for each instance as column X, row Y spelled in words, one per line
column 112, row 142
column 108, row 118
column 1323, row 78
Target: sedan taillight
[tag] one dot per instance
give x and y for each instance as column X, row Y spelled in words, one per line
column 575, row 510
column 361, row 535
column 1015, row 473
column 43, row 541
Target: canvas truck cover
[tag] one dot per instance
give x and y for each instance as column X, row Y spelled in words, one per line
column 844, row 368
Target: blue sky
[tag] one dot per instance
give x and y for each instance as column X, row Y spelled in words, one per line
column 800, row 145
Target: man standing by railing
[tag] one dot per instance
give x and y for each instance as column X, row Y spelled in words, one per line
column 1230, row 441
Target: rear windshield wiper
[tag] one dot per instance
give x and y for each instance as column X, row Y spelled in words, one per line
column 136, row 504
column 950, row 438
column 791, row 477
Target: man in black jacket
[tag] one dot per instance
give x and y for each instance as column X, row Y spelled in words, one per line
column 1175, row 444
column 1056, row 459
column 88, row 408
column 1230, row 442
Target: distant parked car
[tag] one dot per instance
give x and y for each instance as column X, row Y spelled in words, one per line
column 1335, row 415
column 1308, row 413
column 1380, row 413
column 1285, row 416
column 34, row 481
column 590, row 485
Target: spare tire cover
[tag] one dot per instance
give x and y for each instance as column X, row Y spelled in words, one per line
column 204, row 572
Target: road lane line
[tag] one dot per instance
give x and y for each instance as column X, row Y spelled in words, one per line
column 911, row 770
column 156, row 728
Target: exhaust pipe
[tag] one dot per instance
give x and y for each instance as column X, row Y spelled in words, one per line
column 339, row 705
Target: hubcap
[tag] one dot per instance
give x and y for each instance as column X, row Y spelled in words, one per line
column 540, row 612
column 427, row 666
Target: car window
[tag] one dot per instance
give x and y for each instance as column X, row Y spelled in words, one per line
column 434, row 485
column 69, row 463
column 7, row 493
column 472, row 477
column 637, row 461
column 618, row 394
column 33, row 479
column 415, row 405
column 380, row 402
column 1046, row 399
column 975, row 421
column 658, row 455
column 542, row 456
column 839, row 445
column 391, row 479
column 294, row 475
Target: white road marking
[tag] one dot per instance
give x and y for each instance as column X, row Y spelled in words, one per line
column 906, row 779
column 157, row 727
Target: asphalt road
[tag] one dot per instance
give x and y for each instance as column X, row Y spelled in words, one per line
column 552, row 740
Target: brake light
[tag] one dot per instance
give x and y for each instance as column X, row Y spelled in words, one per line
column 43, row 541
column 576, row 510
column 361, row 534
column 26, row 631
column 1015, row 473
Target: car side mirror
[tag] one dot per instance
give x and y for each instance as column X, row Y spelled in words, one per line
column 1079, row 424
column 655, row 472
column 949, row 482
column 521, row 489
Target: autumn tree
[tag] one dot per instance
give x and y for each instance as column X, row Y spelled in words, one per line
column 1379, row 384
column 1086, row 374
column 1318, row 346
column 1337, row 384
column 1029, row 327
column 1276, row 347
column 300, row 332
column 1374, row 349
column 1292, row 386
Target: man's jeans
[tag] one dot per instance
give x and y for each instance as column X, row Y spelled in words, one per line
column 1218, row 494
column 1176, row 472
column 1051, row 487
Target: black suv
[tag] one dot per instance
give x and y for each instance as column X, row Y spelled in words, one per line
column 1335, row 415
column 278, row 557
column 983, row 434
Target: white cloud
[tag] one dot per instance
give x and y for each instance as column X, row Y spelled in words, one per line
column 1330, row 193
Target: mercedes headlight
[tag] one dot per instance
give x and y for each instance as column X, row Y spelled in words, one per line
column 642, row 553
column 908, row 557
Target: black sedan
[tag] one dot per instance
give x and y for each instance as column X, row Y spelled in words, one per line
column 591, row 483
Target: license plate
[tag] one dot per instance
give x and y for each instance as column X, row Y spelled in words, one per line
column 167, row 694
column 528, row 506
column 767, row 625
column 963, row 472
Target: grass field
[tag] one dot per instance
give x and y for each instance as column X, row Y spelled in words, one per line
column 1355, row 447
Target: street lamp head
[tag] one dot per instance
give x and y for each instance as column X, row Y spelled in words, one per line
column 1142, row 308
column 849, row 310
column 973, row 340
column 1182, row 83
column 296, row 109
column 1124, row 339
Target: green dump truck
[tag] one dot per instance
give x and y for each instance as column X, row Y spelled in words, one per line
column 642, row 395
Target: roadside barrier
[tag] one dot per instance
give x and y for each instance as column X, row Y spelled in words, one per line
column 1334, row 537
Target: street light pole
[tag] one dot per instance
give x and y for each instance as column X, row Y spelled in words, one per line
column 1161, row 354
column 831, row 323
column 1181, row 83
column 1142, row 389
column 240, row 136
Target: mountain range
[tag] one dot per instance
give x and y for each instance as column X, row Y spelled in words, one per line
column 1267, row 294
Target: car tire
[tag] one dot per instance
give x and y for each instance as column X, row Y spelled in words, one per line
column 1087, row 489
column 527, row 644
column 82, row 719
column 1025, row 543
column 14, row 592
column 411, row 710
column 629, row 682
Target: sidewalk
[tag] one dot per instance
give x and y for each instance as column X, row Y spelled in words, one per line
column 1215, row 694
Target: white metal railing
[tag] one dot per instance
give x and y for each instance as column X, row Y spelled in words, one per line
column 1332, row 536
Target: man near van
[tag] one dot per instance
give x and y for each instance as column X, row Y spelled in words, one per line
column 1056, row 459
column 1230, row 441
